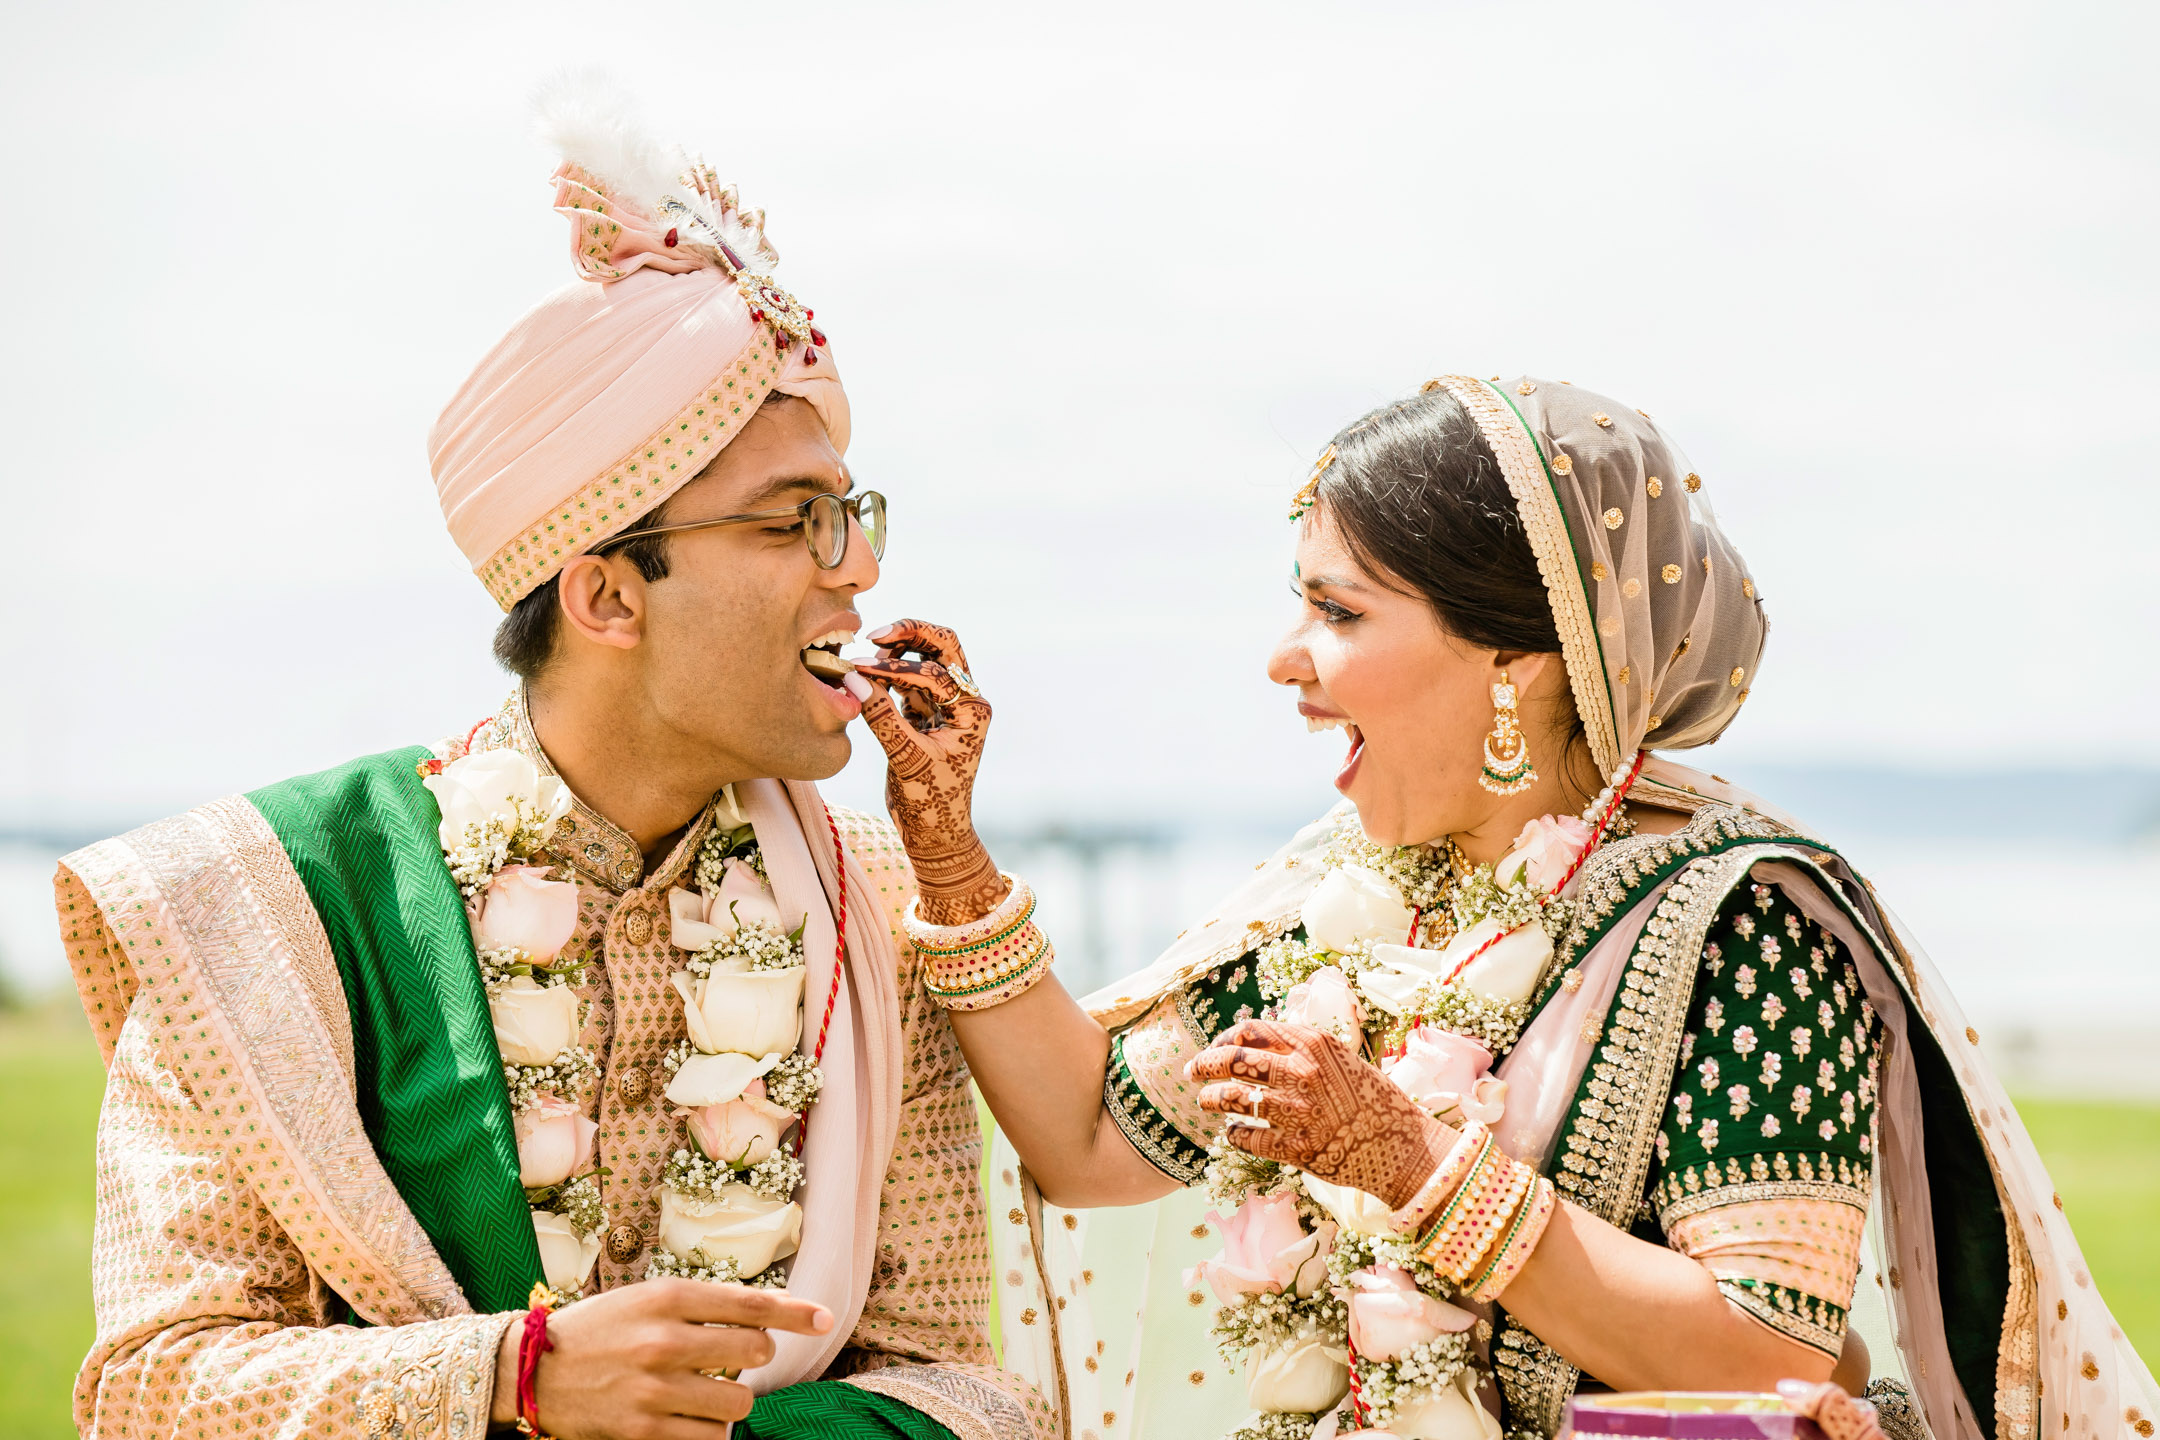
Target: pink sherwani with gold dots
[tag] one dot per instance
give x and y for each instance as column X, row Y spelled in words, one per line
column 244, row 1223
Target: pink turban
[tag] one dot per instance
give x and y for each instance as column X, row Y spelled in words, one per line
column 613, row 392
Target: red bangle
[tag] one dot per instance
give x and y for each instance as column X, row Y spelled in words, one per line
column 531, row 1346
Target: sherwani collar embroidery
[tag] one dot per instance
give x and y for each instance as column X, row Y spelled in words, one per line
column 599, row 850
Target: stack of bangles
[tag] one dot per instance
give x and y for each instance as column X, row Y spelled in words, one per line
column 985, row 962
column 1479, row 1216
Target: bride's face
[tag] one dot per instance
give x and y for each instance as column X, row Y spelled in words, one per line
column 1413, row 701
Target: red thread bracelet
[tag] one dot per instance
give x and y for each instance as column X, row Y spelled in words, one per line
column 531, row 1346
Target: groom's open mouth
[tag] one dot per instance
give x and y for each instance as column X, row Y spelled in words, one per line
column 821, row 657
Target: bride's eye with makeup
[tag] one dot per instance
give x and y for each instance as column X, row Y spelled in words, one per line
column 1333, row 613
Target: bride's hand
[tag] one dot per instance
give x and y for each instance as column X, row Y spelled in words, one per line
column 1328, row 1111
column 932, row 754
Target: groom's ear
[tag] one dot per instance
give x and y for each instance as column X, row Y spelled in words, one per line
column 603, row 601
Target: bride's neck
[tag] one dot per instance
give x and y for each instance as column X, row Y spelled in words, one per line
column 1558, row 790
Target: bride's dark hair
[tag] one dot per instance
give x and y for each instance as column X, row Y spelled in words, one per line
column 1419, row 499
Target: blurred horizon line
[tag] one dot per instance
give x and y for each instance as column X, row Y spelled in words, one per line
column 2109, row 806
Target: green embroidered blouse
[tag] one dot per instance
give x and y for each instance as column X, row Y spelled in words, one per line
column 1766, row 1149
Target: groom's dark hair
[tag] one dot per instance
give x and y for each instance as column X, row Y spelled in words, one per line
column 525, row 640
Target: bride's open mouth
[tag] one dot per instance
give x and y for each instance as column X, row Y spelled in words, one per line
column 1356, row 752
column 821, row 657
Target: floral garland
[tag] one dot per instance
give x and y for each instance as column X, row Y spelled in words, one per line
column 498, row 810
column 727, row 1207
column 1428, row 966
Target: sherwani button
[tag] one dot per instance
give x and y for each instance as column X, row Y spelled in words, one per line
column 633, row 1085
column 637, row 925
column 624, row 1244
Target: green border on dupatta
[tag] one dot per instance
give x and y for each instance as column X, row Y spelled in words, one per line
column 1612, row 705
column 363, row 840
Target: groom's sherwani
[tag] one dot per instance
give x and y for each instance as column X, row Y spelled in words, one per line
column 282, row 1250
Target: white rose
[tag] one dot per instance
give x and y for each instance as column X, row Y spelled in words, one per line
column 696, row 918
column 533, row 1025
column 1507, row 973
column 1323, row 1001
column 1450, row 1413
column 758, row 1012
column 1351, row 904
column 727, row 810
column 566, row 1257
column 1354, row 1210
column 485, row 784
column 737, row 1225
column 717, row 1079
column 1307, row 1376
column 1397, row 973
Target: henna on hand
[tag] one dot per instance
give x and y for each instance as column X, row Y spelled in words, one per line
column 1328, row 1111
column 931, row 766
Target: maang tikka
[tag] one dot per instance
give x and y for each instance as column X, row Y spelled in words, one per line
column 1508, row 770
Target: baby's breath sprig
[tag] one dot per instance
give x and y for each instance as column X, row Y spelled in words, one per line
column 665, row 1264
column 677, row 1055
column 1451, row 1007
column 565, row 1076
column 1387, row 1385
column 773, row 1178
column 1424, row 874
column 1264, row 1319
column 1276, row 1425
column 794, row 1084
column 1283, row 963
column 721, row 846
column 576, row 1200
column 1233, row 1176
column 757, row 945
column 689, row 1173
column 500, row 966
column 487, row 846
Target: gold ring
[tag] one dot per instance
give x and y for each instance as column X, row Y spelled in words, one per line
column 965, row 681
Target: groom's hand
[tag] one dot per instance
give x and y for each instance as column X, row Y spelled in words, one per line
column 628, row 1364
column 932, row 752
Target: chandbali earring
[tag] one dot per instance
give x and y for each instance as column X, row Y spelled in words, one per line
column 1508, row 770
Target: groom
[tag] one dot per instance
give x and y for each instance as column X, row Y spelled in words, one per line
column 329, row 1172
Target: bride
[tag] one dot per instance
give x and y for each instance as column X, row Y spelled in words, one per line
column 1543, row 1064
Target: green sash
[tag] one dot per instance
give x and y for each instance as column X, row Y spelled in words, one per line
column 363, row 839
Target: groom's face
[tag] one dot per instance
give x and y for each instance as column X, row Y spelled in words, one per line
column 724, row 632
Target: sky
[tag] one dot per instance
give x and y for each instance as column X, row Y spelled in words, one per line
column 1101, row 280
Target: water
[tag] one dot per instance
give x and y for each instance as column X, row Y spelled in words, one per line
column 2048, row 949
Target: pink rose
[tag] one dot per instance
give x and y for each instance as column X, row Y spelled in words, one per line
column 740, row 1132
column 1389, row 1315
column 1324, row 1002
column 1545, row 850
column 1448, row 1074
column 554, row 1142
column 526, row 909
column 1266, row 1250
column 700, row 917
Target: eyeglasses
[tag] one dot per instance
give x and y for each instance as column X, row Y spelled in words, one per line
column 824, row 520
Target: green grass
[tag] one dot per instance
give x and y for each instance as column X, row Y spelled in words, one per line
column 2105, row 1160
column 50, row 1084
